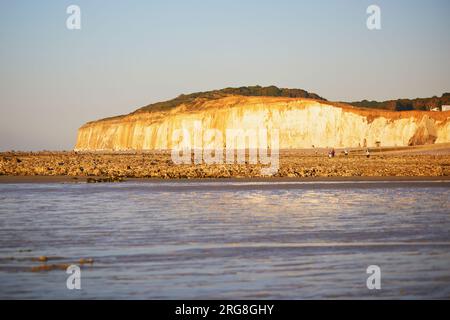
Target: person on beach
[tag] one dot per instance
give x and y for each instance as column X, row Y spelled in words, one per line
column 346, row 152
column 367, row 153
column 331, row 153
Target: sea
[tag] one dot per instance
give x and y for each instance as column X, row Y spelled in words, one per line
column 223, row 239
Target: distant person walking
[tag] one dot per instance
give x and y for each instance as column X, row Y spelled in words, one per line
column 331, row 153
column 367, row 153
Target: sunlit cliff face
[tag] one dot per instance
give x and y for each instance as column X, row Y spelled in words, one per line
column 301, row 123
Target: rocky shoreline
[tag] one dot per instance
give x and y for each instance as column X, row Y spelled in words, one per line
column 113, row 167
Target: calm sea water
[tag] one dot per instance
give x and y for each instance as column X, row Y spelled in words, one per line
column 287, row 240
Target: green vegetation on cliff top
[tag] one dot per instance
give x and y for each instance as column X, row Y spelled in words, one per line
column 270, row 91
column 406, row 104
column 273, row 91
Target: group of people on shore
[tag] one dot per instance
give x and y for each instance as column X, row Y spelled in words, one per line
column 332, row 153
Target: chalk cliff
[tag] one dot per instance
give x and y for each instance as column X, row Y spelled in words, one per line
column 301, row 123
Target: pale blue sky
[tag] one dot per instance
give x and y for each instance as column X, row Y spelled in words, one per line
column 132, row 53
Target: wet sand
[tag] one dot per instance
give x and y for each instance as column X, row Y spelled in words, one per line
column 415, row 181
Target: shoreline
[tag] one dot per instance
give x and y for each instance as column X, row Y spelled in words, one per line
column 83, row 179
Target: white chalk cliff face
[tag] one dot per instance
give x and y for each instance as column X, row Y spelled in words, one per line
column 301, row 123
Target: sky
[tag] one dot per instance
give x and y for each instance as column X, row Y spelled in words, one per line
column 128, row 54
